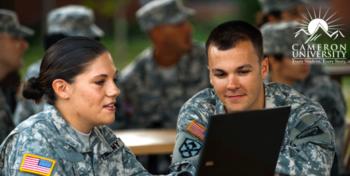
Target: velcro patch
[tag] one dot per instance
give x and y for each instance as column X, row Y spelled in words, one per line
column 189, row 148
column 310, row 132
column 37, row 164
column 196, row 129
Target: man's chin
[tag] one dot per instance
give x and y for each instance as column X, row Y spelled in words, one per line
column 235, row 108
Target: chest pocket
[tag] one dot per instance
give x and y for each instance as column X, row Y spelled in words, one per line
column 73, row 162
column 113, row 162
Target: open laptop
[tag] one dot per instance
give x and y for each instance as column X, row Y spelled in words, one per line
column 244, row 143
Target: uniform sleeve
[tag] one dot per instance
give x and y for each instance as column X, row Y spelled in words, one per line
column 310, row 150
column 6, row 124
column 332, row 101
column 132, row 166
column 188, row 145
column 17, row 145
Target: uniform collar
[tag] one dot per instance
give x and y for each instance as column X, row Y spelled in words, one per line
column 270, row 99
column 219, row 106
column 71, row 137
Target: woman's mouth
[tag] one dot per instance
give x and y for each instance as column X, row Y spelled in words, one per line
column 110, row 107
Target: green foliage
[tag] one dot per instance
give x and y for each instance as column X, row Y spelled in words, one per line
column 105, row 7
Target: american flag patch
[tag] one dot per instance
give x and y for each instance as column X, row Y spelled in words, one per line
column 37, row 164
column 196, row 129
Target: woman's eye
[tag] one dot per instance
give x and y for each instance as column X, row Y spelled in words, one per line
column 100, row 82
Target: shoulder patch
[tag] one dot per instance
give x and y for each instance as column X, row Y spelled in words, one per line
column 310, row 132
column 196, row 130
column 36, row 164
column 189, row 148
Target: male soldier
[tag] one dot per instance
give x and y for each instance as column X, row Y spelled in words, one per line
column 237, row 69
column 278, row 41
column 159, row 81
column 12, row 47
column 66, row 21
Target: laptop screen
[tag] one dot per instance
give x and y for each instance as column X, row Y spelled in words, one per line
column 244, row 143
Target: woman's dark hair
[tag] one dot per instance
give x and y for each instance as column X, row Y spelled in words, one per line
column 64, row 60
column 50, row 39
column 229, row 34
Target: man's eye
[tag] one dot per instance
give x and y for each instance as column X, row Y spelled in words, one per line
column 243, row 72
column 219, row 74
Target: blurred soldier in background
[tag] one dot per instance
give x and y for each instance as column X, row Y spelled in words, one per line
column 71, row 20
column 278, row 41
column 12, row 48
column 156, row 84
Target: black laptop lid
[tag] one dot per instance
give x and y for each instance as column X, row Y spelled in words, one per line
column 244, row 143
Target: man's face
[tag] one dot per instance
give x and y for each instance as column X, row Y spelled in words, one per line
column 11, row 51
column 175, row 36
column 237, row 76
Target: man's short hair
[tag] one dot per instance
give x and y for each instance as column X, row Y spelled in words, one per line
column 229, row 34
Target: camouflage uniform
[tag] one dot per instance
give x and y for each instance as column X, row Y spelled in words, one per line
column 308, row 146
column 48, row 135
column 327, row 92
column 278, row 39
column 9, row 24
column 6, row 124
column 152, row 101
column 71, row 20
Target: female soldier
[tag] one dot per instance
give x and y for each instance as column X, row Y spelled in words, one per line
column 77, row 76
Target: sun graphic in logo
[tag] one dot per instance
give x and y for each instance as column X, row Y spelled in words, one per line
column 315, row 23
column 319, row 23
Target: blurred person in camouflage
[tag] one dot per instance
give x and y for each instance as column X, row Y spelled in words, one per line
column 237, row 69
column 278, row 41
column 12, row 47
column 317, row 78
column 162, row 77
column 62, row 22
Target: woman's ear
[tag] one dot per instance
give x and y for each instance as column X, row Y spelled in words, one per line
column 61, row 88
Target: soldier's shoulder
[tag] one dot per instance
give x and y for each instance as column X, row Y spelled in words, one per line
column 286, row 92
column 36, row 125
column 204, row 96
column 198, row 51
column 32, row 131
column 137, row 65
column 199, row 108
column 287, row 96
column 33, row 70
column 198, row 46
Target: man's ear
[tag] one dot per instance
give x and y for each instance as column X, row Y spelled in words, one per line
column 264, row 67
column 62, row 89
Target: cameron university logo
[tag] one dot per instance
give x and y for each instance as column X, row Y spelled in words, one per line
column 323, row 38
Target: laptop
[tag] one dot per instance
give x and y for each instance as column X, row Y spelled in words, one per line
column 244, row 143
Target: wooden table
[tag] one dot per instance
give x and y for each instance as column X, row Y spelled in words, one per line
column 148, row 141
